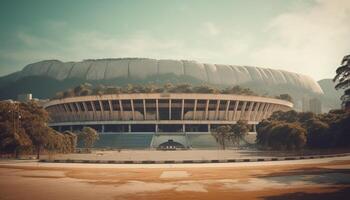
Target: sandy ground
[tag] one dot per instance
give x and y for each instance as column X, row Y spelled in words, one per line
column 308, row 179
column 139, row 155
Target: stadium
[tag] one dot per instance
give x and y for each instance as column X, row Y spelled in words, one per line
column 152, row 120
column 149, row 120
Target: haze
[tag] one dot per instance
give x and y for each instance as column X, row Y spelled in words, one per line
column 308, row 37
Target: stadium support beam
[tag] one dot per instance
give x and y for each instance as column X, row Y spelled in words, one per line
column 217, row 110
column 102, row 110
column 226, row 110
column 144, row 109
column 169, row 109
column 132, row 109
column 194, row 109
column 157, row 109
column 251, row 106
column 241, row 116
column 206, row 109
column 121, row 110
column 235, row 111
column 182, row 108
column 257, row 108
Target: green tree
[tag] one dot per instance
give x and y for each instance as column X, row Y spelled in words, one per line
column 289, row 116
column 287, row 136
column 34, row 121
column 12, row 136
column 239, row 131
column 222, row 135
column 342, row 79
column 263, row 130
column 206, row 89
column 286, row 97
column 88, row 136
column 318, row 135
column 70, row 141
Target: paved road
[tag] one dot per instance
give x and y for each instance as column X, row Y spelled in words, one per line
column 140, row 155
column 319, row 179
column 31, row 163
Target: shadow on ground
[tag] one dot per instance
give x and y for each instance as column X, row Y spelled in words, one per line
column 339, row 194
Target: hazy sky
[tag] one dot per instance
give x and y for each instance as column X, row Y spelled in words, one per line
column 305, row 36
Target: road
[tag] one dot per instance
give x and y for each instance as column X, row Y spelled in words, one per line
column 303, row 179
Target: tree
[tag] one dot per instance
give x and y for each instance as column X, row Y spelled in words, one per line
column 239, row 131
column 88, row 136
column 286, row 97
column 221, row 135
column 23, row 126
column 13, row 140
column 34, row 121
column 287, row 136
column 13, row 137
column 318, row 134
column 263, row 130
column 342, row 79
column 70, row 141
column 289, row 116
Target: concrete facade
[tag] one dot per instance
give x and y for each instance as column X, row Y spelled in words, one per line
column 170, row 116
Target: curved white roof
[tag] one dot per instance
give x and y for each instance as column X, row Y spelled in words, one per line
column 144, row 67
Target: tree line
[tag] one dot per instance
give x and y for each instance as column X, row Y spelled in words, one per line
column 293, row 130
column 24, row 130
column 87, row 89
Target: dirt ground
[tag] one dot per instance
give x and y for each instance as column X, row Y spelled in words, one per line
column 316, row 181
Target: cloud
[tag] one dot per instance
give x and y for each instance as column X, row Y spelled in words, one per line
column 308, row 38
column 210, row 28
column 310, row 41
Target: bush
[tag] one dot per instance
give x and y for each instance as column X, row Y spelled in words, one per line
column 329, row 130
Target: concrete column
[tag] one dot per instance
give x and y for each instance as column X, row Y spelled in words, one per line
column 226, row 111
column 103, row 128
column 195, row 109
column 121, row 110
column 183, row 128
column 209, row 127
column 144, row 109
column 262, row 110
column 262, row 116
column 217, row 110
column 206, row 109
column 235, row 111
column 110, row 110
column 243, row 110
column 251, row 106
column 132, row 109
column 157, row 110
column 129, row 128
column 72, row 114
column 256, row 112
column 169, row 109
column 78, row 107
column 156, row 128
column 101, row 114
column 267, row 107
column 86, row 114
column 182, row 109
